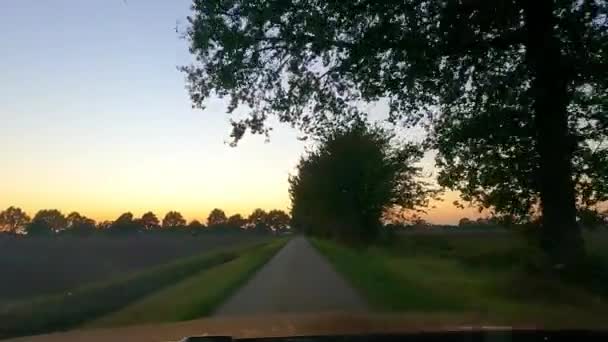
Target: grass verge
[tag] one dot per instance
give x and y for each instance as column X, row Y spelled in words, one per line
column 394, row 279
column 67, row 310
column 195, row 296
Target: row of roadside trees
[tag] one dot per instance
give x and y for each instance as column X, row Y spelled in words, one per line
column 52, row 221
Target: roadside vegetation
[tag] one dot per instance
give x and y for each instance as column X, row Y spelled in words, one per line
column 78, row 306
column 486, row 278
column 195, row 296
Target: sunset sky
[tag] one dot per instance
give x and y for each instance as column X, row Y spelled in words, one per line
column 94, row 117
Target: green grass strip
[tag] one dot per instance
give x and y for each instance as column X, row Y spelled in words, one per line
column 195, row 296
column 427, row 284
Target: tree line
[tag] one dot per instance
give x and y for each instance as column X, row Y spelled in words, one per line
column 14, row 220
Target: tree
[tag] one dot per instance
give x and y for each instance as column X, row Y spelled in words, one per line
column 513, row 92
column 258, row 218
column 13, row 220
column 465, row 222
column 236, row 221
column 216, row 217
column 47, row 221
column 79, row 224
column 278, row 220
column 105, row 225
column 195, row 224
column 344, row 186
column 150, row 221
column 125, row 224
column 173, row 219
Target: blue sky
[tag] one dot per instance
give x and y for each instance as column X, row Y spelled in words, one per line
column 95, row 117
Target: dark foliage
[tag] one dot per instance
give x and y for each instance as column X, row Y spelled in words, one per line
column 173, row 219
column 150, row 221
column 79, row 225
column 13, row 220
column 343, row 187
column 216, row 216
column 125, row 224
column 513, row 92
column 47, row 221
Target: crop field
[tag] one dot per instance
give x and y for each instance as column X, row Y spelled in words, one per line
column 46, row 265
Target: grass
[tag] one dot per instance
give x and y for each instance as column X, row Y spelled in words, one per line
column 195, row 296
column 473, row 276
column 71, row 309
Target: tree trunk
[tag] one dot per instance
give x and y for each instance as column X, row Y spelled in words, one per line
column 561, row 235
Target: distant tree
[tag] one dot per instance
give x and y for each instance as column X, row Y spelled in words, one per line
column 47, row 221
column 216, row 217
column 13, row 220
column 195, row 224
column 236, row 221
column 277, row 220
column 104, row 225
column 257, row 217
column 173, row 219
column 150, row 221
column 465, row 222
column 79, row 224
column 344, row 186
column 124, row 224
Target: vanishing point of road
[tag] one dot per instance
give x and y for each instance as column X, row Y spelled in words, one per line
column 296, row 280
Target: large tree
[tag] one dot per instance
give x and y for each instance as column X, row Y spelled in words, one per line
column 79, row 224
column 216, row 217
column 278, row 220
column 150, row 221
column 47, row 221
column 236, row 221
column 13, row 220
column 173, row 219
column 344, row 186
column 513, row 91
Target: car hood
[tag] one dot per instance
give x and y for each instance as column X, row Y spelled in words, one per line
column 280, row 325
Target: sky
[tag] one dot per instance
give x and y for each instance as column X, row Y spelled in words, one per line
column 95, row 118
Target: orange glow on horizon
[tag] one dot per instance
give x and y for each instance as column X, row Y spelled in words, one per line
column 440, row 212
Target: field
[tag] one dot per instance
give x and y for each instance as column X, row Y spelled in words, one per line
column 488, row 277
column 47, row 265
column 163, row 292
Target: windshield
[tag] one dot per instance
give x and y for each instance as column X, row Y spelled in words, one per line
column 284, row 167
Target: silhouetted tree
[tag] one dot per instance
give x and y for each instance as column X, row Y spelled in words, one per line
column 79, row 224
column 257, row 216
column 150, row 221
column 195, row 224
column 125, row 224
column 173, row 219
column 278, row 220
column 13, row 220
column 47, row 221
column 216, row 217
column 343, row 187
column 465, row 222
column 236, row 221
column 513, row 92
column 104, row 225
column 258, row 221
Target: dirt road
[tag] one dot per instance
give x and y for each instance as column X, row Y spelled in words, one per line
column 296, row 280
